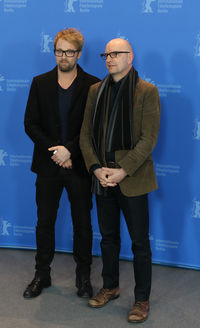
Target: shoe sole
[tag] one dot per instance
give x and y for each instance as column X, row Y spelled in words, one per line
column 102, row 305
column 137, row 321
column 84, row 296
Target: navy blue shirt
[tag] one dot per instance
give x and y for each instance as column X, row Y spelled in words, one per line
column 64, row 104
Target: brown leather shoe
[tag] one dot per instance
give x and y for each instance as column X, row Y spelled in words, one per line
column 103, row 297
column 139, row 312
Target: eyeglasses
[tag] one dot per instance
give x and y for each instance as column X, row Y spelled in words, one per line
column 113, row 54
column 68, row 53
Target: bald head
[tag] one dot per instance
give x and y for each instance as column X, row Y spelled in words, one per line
column 119, row 58
column 119, row 44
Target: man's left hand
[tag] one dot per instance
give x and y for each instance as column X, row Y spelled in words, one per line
column 61, row 155
column 67, row 164
column 114, row 175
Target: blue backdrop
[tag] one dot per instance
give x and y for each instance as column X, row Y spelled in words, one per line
column 165, row 35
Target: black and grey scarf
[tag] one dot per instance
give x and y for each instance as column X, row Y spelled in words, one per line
column 120, row 125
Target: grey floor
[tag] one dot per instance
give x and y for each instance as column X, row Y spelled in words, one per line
column 175, row 298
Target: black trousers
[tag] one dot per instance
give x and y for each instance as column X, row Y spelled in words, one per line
column 48, row 193
column 135, row 210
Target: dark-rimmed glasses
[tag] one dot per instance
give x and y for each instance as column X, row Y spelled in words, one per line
column 113, row 54
column 68, row 53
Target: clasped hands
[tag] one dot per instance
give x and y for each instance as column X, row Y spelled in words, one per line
column 109, row 177
column 61, row 156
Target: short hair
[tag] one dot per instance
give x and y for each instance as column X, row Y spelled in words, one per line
column 71, row 35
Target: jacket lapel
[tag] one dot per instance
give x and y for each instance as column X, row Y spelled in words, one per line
column 79, row 86
column 53, row 92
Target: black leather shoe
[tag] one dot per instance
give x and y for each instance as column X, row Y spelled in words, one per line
column 35, row 287
column 84, row 287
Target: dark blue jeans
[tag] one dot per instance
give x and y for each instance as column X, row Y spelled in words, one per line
column 48, row 193
column 135, row 210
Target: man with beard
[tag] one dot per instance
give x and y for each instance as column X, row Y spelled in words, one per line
column 53, row 120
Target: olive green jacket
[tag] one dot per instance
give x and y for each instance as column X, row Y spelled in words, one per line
column 137, row 162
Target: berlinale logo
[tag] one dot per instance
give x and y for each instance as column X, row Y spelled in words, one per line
column 148, row 79
column 196, row 209
column 197, row 46
column 2, row 155
column 151, row 237
column 46, row 39
column 119, row 35
column 4, row 225
column 2, row 78
column 69, row 6
column 196, row 132
column 147, row 6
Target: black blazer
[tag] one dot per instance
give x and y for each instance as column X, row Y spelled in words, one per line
column 42, row 120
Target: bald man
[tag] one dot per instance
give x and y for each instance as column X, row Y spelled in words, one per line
column 119, row 132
